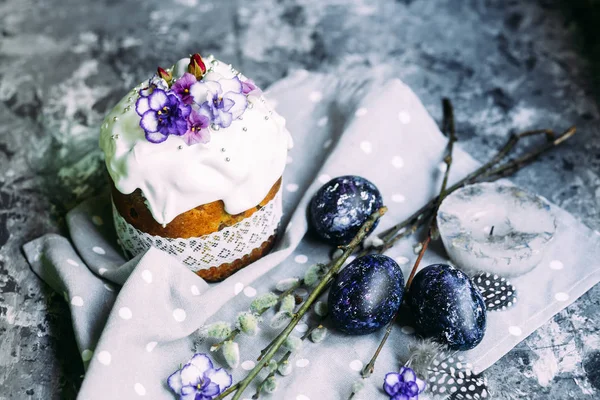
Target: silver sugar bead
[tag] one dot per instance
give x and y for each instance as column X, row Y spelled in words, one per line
column 228, row 159
column 245, row 129
column 180, row 147
column 266, row 117
column 250, row 105
column 214, row 62
column 223, row 149
column 115, row 119
column 115, row 137
column 215, row 127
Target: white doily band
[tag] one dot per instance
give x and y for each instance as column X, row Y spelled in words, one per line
column 222, row 247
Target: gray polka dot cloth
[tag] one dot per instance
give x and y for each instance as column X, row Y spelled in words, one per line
column 135, row 321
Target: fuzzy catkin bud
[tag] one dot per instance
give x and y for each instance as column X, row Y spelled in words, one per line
column 288, row 303
column 314, row 273
column 247, row 323
column 272, row 366
column 285, row 368
column 319, row 334
column 280, row 319
column 321, row 309
column 231, row 353
column 263, row 302
column 292, row 343
column 287, row 284
column 216, row 330
column 270, row 384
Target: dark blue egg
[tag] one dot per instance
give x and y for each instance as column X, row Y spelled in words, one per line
column 447, row 307
column 366, row 294
column 341, row 206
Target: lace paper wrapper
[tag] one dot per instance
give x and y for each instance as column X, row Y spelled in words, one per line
column 222, row 247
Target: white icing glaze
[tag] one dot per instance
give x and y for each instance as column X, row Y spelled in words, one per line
column 239, row 165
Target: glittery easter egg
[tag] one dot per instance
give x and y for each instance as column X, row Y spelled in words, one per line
column 447, row 307
column 366, row 294
column 341, row 206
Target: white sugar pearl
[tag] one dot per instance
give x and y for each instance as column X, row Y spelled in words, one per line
column 104, row 357
column 561, row 296
column 291, row 187
column 404, row 117
column 249, row 291
column 248, row 365
column 73, row 262
column 77, row 301
column 324, row 178
column 125, row 313
column 366, row 146
column 147, row 276
column 361, row 112
column 515, row 330
column 303, row 362
column 356, row 365
column 98, row 250
column 150, row 346
column 179, row 314
column 556, row 265
column 195, row 290
column 301, row 259
column 139, row 389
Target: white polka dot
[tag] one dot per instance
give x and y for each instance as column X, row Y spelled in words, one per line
column 102, row 271
column 238, row 288
column 322, row 121
column 73, row 262
column 98, row 250
column 356, row 365
column 291, row 187
column 302, row 397
column 324, row 178
column 301, row 259
column 301, row 363
column 249, row 291
column 515, row 330
column 125, row 313
column 301, row 292
column 150, row 346
column 301, row 327
column 404, row 117
column 408, row 330
column 179, row 314
column 561, row 296
column 398, row 198
column 139, row 389
column 397, row 162
column 556, row 265
column 147, row 276
column 327, row 143
column 361, row 112
column 443, row 167
column 248, row 365
column 402, row 260
column 109, row 287
column 366, row 146
column 97, row 220
column 104, row 357
column 289, row 160
column 315, row 96
column 77, row 301
column 86, row 355
column 195, row 290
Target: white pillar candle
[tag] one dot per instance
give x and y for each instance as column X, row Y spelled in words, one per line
column 496, row 228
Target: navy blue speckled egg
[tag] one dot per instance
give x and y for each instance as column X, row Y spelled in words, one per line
column 366, row 294
column 447, row 307
column 341, row 206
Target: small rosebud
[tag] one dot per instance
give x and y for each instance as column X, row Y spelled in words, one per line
column 321, row 309
column 292, row 343
column 287, row 284
column 263, row 302
column 280, row 319
column 231, row 353
column 314, row 273
column 288, row 303
column 217, row 330
column 247, row 323
column 285, row 368
column 197, row 66
column 167, row 76
column 319, row 334
column 270, row 384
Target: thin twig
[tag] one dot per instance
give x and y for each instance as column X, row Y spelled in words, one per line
column 336, row 265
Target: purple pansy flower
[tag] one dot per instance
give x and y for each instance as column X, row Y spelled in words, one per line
column 181, row 87
column 199, row 380
column 403, row 385
column 163, row 114
column 249, row 87
column 198, row 122
column 223, row 97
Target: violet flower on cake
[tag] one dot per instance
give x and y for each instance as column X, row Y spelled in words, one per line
column 223, row 97
column 403, row 385
column 198, row 123
column 249, row 87
column 181, row 87
column 163, row 114
column 199, row 380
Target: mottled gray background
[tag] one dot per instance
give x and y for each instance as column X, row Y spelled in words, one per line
column 507, row 65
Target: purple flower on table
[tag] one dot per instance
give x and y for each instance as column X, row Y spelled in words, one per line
column 163, row 114
column 403, row 385
column 199, row 380
column 198, row 122
column 224, row 98
column 249, row 87
column 181, row 87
